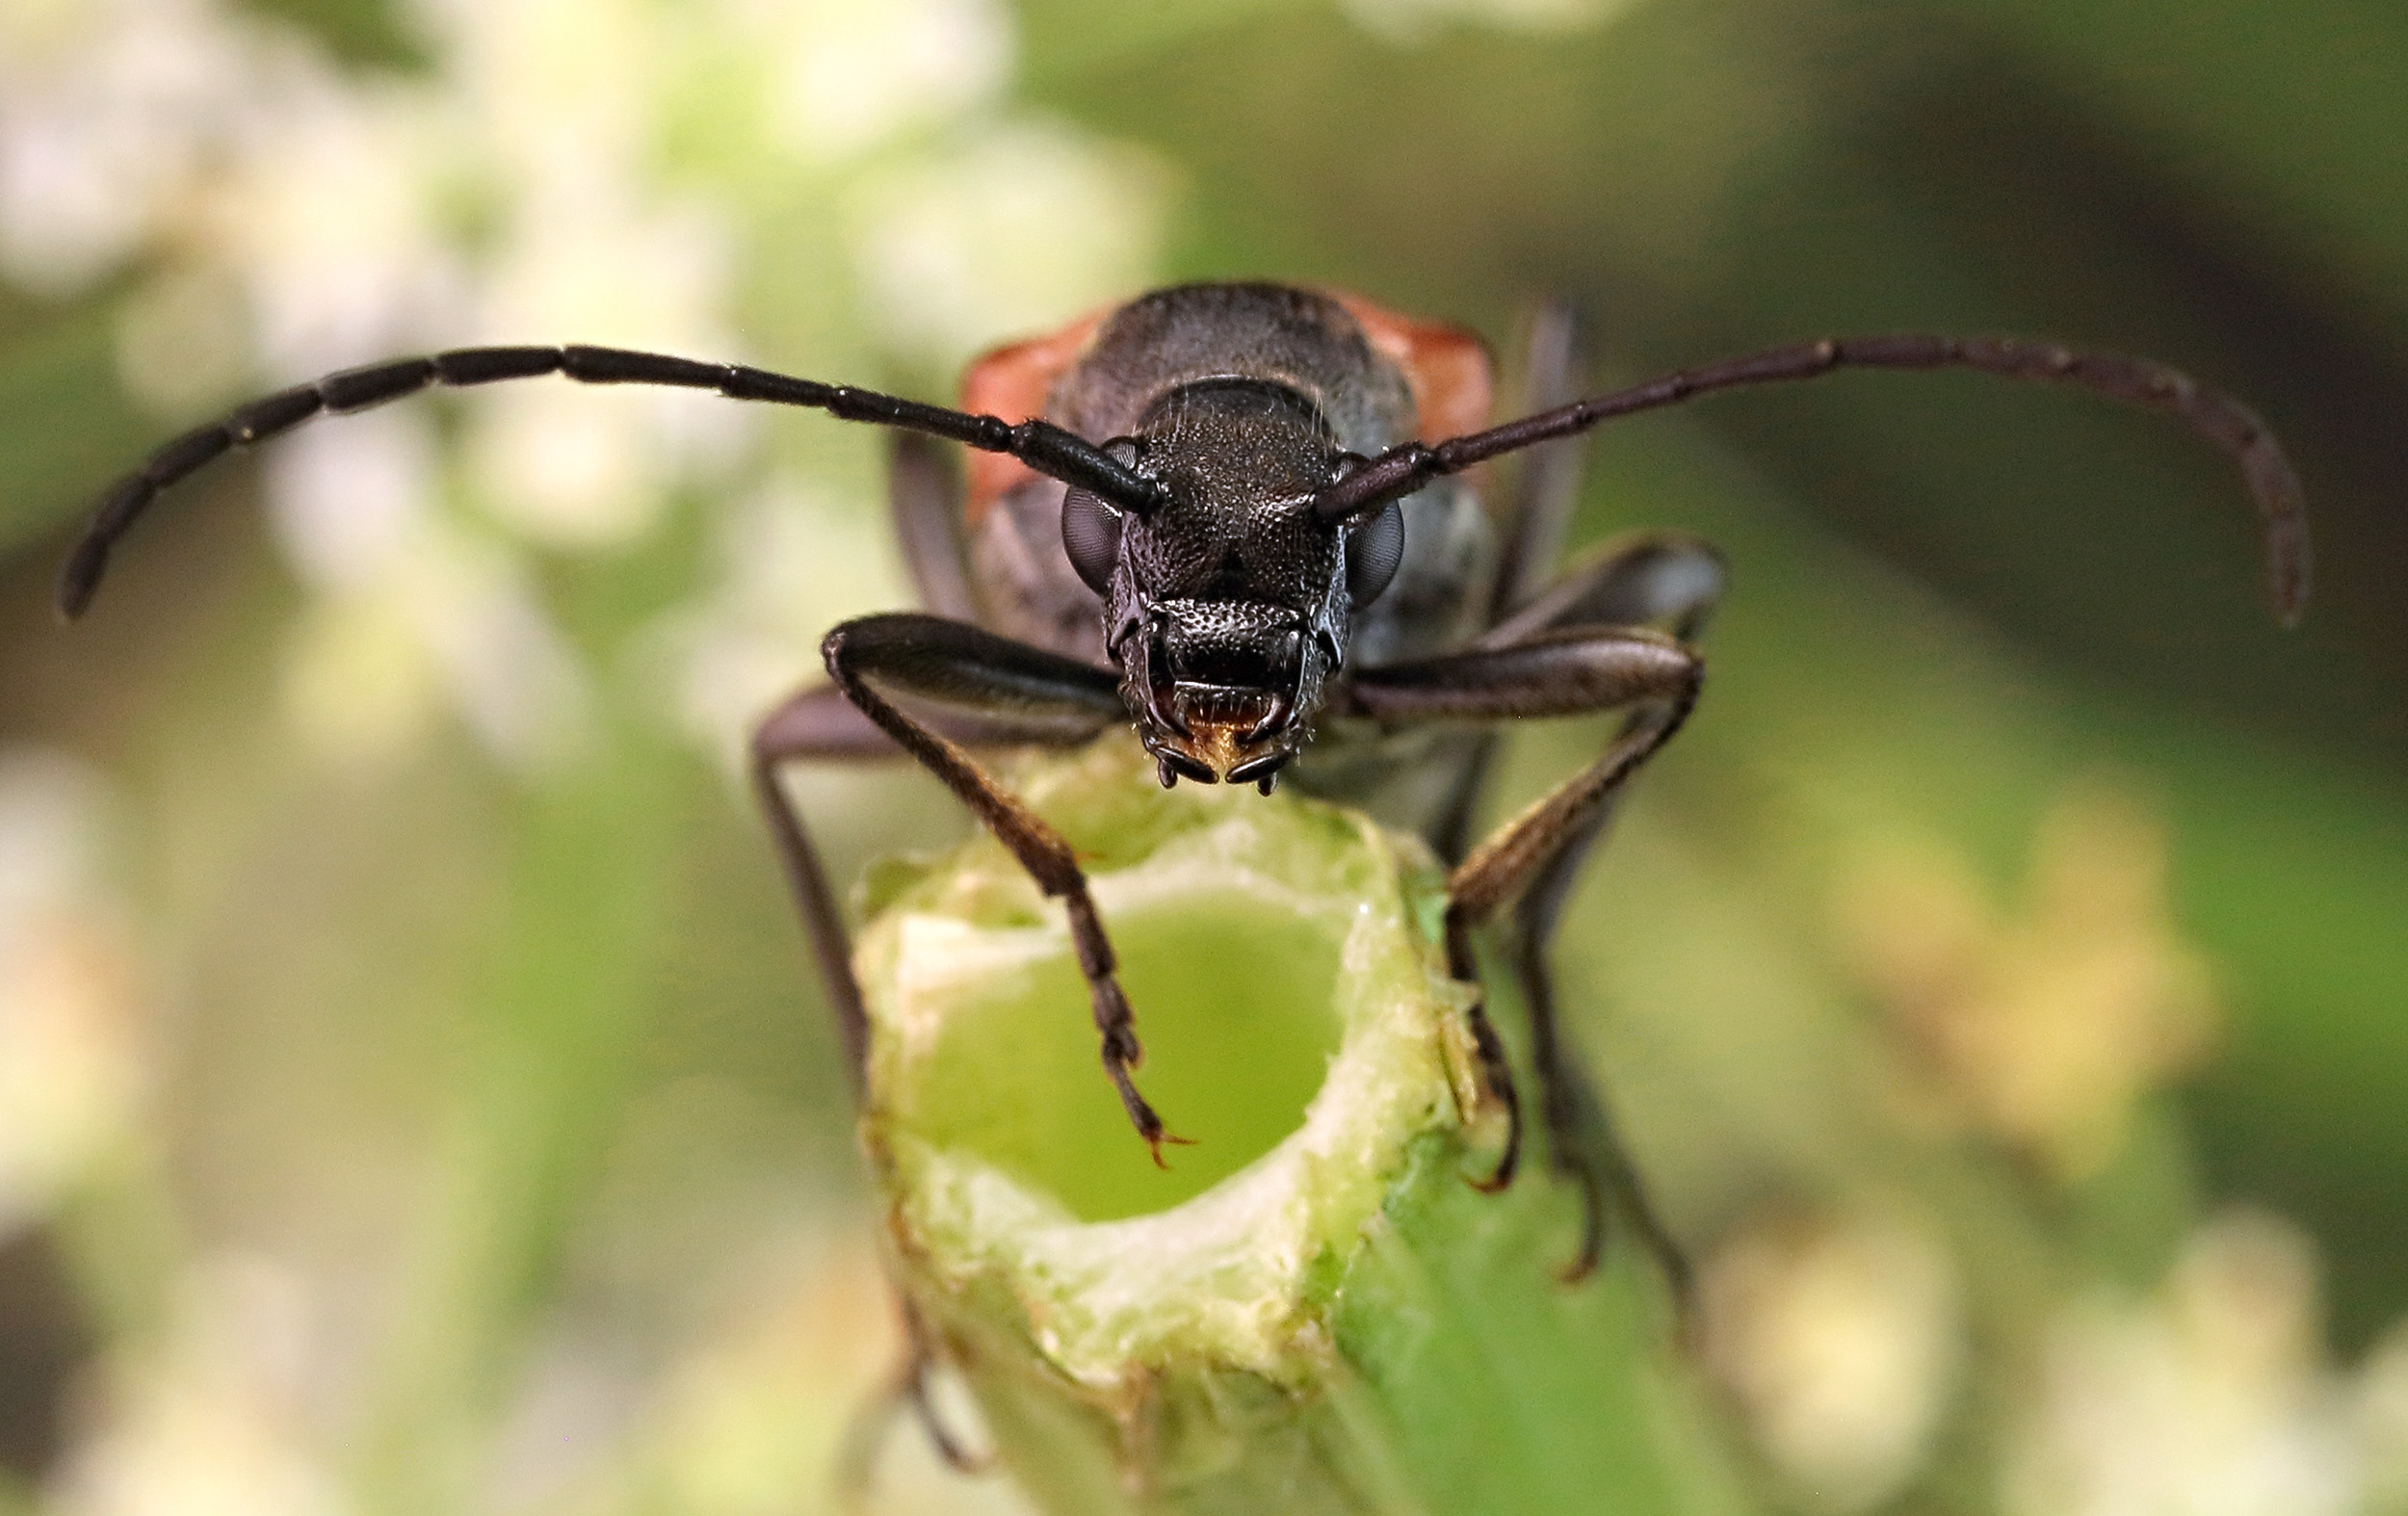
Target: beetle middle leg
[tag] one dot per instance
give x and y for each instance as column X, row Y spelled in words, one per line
column 1557, row 659
column 1531, row 523
column 1672, row 581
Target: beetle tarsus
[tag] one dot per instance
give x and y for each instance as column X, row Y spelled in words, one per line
column 1497, row 1075
column 1153, row 1144
column 1592, row 1246
column 1142, row 1113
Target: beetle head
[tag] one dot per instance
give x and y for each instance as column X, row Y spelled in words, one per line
column 1227, row 605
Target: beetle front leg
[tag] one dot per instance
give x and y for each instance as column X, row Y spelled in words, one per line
column 1560, row 672
column 931, row 657
column 820, row 724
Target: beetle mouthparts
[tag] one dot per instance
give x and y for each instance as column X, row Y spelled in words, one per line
column 1222, row 733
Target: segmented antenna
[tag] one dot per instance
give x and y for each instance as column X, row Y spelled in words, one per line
column 2217, row 418
column 1041, row 445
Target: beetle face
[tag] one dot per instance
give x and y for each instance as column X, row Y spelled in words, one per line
column 1226, row 608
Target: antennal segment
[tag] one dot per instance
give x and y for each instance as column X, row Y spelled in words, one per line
column 2216, row 417
column 1041, row 445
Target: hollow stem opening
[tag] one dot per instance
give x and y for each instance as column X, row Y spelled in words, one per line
column 1237, row 1015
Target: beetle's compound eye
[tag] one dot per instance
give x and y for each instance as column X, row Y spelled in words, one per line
column 1090, row 527
column 1373, row 550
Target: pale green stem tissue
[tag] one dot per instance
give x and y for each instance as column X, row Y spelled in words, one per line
column 1311, row 1310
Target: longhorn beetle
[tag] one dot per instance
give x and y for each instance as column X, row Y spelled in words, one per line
column 1213, row 514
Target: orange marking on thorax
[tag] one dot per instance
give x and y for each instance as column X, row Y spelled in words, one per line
column 1015, row 382
column 1445, row 365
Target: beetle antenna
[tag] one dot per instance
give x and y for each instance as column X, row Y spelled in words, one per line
column 1041, row 445
column 2217, row 418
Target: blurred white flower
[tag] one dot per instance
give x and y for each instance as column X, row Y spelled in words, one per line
column 452, row 614
column 561, row 94
column 1017, row 229
column 70, row 1055
column 2213, row 1400
column 360, row 686
column 568, row 466
column 1841, row 1341
column 520, row 685
column 2381, row 1421
column 848, row 76
column 348, row 501
column 107, row 110
column 329, row 218
column 216, row 1419
column 411, row 606
column 754, row 1420
column 2041, row 1028
column 797, row 556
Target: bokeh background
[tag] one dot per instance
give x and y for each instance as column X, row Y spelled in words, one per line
column 413, row 1093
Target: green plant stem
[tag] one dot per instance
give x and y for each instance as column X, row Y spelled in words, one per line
column 1311, row 1310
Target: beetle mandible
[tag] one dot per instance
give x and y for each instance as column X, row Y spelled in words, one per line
column 1211, row 513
